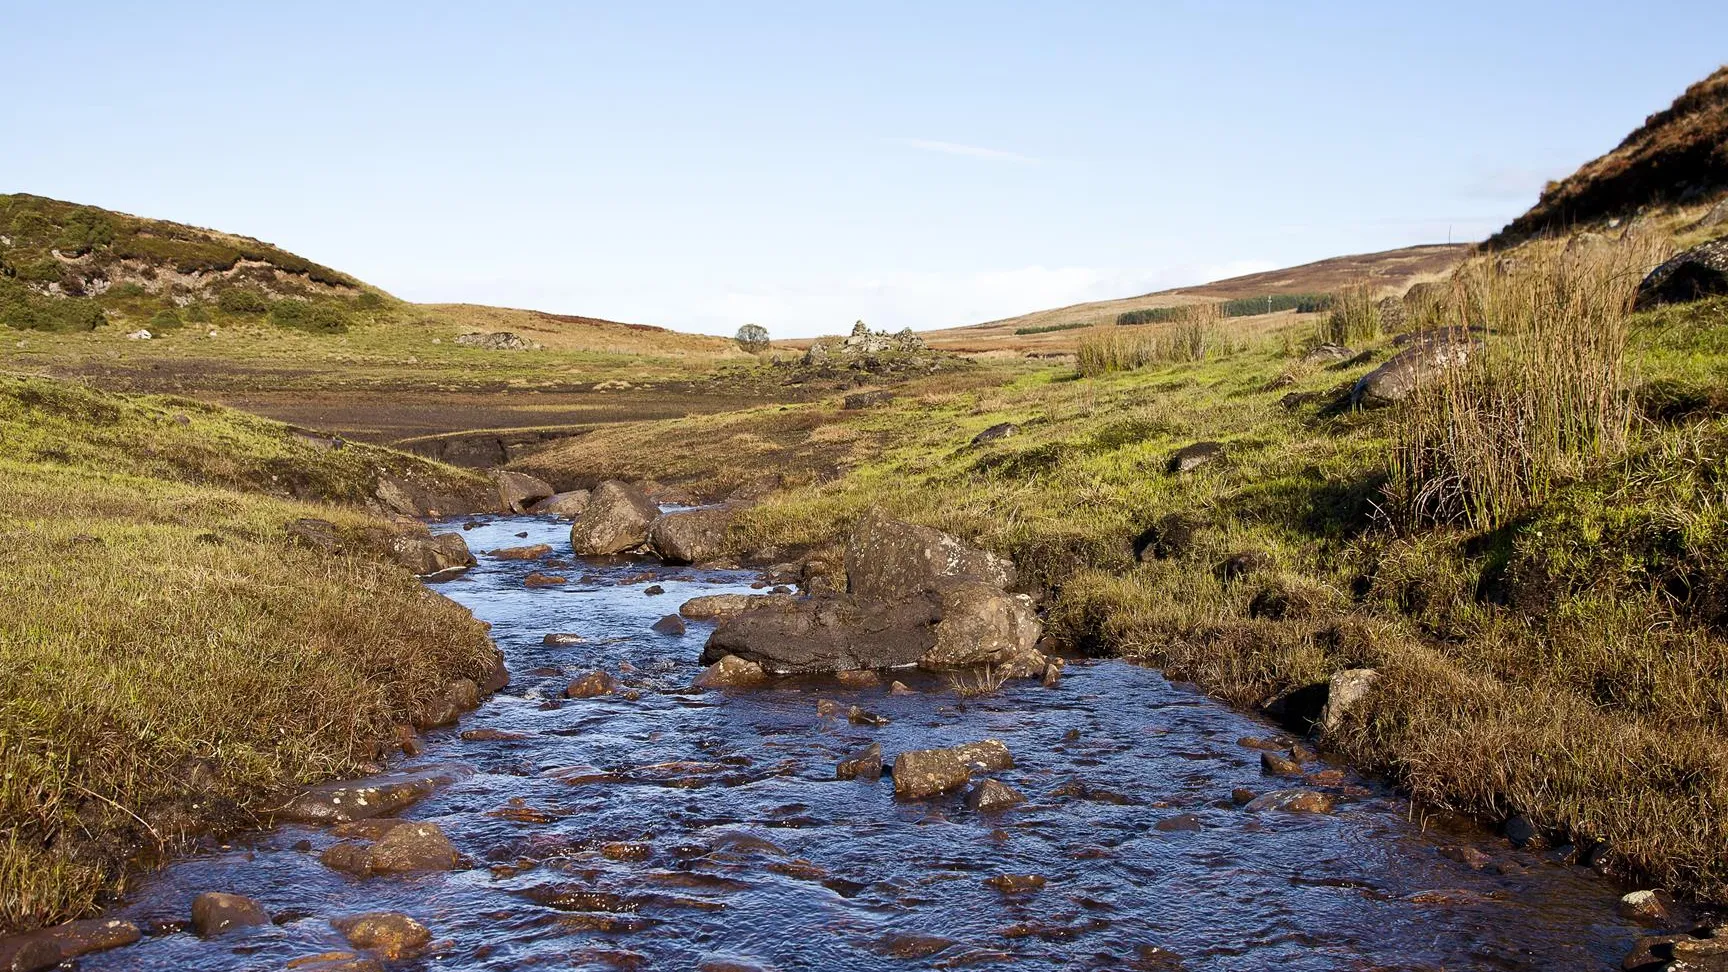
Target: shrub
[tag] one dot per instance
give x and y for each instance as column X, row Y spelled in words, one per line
column 1193, row 334
column 1101, row 354
column 127, row 290
column 1355, row 316
column 752, row 338
column 1545, row 400
column 369, row 300
column 26, row 311
column 305, row 316
column 236, row 300
column 165, row 319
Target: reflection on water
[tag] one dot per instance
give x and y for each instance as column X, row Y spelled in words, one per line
column 679, row 829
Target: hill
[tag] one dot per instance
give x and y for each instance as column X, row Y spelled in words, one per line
column 1679, row 155
column 1055, row 330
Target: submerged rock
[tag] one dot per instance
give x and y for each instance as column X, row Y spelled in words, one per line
column 921, row 773
column 214, row 912
column 828, row 633
column 49, row 947
column 1294, row 801
column 731, row 672
column 374, row 796
column 536, row 551
column 1644, row 906
column 591, row 685
column 671, row 624
column 391, row 934
column 617, row 519
column 991, row 796
column 402, row 849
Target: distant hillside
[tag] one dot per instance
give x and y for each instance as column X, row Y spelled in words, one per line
column 1678, row 155
column 1057, row 329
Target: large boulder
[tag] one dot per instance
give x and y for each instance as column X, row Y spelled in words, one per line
column 888, row 560
column 1432, row 353
column 828, row 633
column 215, row 912
column 519, row 491
column 432, row 555
column 1693, row 275
column 617, row 519
column 985, row 626
column 690, row 536
column 407, row 495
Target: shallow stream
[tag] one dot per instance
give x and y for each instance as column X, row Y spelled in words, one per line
column 683, row 829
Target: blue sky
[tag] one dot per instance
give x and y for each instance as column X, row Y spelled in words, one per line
column 700, row 165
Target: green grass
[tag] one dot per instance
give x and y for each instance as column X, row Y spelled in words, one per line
column 169, row 662
column 1566, row 662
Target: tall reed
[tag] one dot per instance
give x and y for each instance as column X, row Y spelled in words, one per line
column 1545, row 398
column 1194, row 334
column 1355, row 316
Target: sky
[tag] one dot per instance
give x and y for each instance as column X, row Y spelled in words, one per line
column 804, row 165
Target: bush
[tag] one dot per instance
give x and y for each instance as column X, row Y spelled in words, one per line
column 305, row 316
column 165, row 319
column 26, row 311
column 127, row 291
column 368, row 301
column 236, row 300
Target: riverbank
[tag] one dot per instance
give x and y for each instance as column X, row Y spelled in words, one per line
column 171, row 657
column 1557, row 664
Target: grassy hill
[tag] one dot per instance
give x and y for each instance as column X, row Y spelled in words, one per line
column 1678, row 156
column 1060, row 329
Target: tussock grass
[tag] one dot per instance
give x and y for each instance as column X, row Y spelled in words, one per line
column 1547, row 399
column 169, row 663
column 1194, row 332
column 1355, row 317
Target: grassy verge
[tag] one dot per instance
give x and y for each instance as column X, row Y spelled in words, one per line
column 168, row 661
column 1563, row 658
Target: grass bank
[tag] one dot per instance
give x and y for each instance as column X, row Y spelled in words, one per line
column 1556, row 649
column 169, row 661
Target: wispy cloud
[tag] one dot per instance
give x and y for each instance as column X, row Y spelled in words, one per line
column 972, row 151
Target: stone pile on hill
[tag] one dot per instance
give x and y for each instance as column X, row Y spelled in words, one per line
column 864, row 342
column 496, row 341
column 915, row 597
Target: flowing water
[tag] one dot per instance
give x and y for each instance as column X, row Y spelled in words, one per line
column 683, row 829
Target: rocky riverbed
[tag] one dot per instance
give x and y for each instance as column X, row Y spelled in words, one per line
column 601, row 812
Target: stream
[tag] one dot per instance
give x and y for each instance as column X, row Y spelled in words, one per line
column 684, row 829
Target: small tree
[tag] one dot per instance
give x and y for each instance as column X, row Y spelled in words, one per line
column 753, row 338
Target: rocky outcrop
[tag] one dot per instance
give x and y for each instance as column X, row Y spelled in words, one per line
column 690, row 536
column 1427, row 356
column 982, row 625
column 1345, row 693
column 437, row 554
column 863, row 342
column 496, row 341
column 405, row 495
column 617, row 519
column 887, row 559
column 1693, row 275
column 568, row 505
column 519, row 491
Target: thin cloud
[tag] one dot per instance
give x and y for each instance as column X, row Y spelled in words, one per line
column 972, row 151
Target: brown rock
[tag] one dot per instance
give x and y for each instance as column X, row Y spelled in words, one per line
column 533, row 552
column 617, row 519
column 990, row 796
column 731, row 672
column 214, row 912
column 391, row 934
column 988, row 754
column 866, row 764
column 1016, row 883
column 335, row 962
column 899, row 688
column 982, row 625
column 1294, row 801
column 537, row 579
column 373, row 796
column 1189, row 458
column 49, row 947
column 1181, row 823
column 922, row 773
column 859, row 716
column 1695, row 274
column 403, row 849
column 591, row 685
column 1648, row 907
column 1273, row 764
column 717, row 606
column 828, row 633
column 671, row 624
